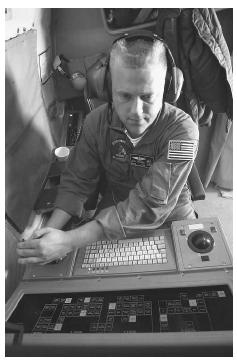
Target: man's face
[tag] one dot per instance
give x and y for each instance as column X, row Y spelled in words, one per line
column 137, row 95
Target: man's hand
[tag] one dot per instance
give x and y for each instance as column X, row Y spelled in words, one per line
column 46, row 244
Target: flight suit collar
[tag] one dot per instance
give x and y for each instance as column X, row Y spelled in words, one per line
column 118, row 126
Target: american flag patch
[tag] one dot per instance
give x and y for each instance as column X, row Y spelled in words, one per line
column 181, row 149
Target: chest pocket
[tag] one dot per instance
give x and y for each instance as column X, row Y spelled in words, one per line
column 118, row 170
column 117, row 166
column 138, row 172
column 155, row 186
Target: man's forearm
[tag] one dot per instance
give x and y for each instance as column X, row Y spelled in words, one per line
column 86, row 234
column 58, row 219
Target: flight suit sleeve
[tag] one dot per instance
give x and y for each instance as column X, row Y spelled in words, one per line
column 155, row 196
column 80, row 178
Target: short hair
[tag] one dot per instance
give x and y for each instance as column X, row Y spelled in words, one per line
column 139, row 53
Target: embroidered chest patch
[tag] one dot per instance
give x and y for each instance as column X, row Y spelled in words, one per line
column 182, row 150
column 120, row 150
column 141, row 160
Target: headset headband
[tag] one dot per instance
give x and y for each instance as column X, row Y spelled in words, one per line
column 98, row 77
column 146, row 35
column 142, row 34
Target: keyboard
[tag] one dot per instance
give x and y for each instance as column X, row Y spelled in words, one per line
column 143, row 254
column 136, row 251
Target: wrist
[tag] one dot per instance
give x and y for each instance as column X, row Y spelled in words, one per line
column 69, row 240
column 84, row 235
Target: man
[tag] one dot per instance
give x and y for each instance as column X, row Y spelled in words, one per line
column 144, row 147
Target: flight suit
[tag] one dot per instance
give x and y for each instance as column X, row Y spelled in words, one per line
column 145, row 185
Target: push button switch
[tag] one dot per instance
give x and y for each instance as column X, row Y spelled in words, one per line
column 205, row 258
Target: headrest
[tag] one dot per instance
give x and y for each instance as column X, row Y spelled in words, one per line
column 97, row 78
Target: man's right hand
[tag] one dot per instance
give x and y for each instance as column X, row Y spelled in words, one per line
column 48, row 244
column 45, row 245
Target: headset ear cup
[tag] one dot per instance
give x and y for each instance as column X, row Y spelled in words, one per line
column 108, row 86
column 167, row 88
column 175, row 85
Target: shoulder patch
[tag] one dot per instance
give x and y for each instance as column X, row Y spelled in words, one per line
column 182, row 150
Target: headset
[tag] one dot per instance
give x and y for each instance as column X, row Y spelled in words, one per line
column 99, row 80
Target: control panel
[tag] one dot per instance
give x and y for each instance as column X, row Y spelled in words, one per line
column 190, row 245
column 162, row 310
